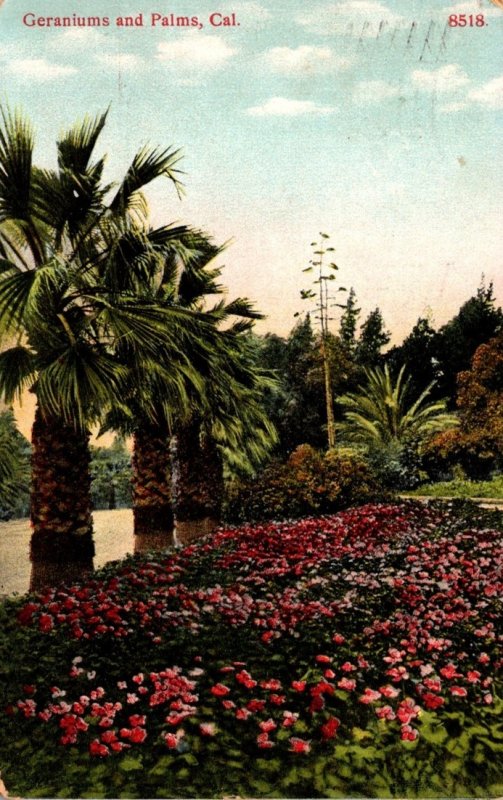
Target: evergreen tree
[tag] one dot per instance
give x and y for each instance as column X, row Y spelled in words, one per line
column 349, row 321
column 420, row 354
column 373, row 337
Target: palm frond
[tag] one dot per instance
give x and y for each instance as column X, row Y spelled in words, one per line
column 16, row 150
column 18, row 368
column 76, row 146
column 15, row 289
column 148, row 164
column 79, row 384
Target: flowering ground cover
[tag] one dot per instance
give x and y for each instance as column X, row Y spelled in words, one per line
column 352, row 655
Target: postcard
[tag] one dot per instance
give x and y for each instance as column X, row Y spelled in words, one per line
column 236, row 239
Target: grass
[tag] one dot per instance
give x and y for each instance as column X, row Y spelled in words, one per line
column 462, row 489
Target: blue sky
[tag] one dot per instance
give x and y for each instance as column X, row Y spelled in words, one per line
column 373, row 121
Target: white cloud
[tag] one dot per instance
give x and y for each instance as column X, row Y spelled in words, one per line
column 38, row 69
column 454, row 107
column 490, row 94
column 306, row 59
column 79, row 39
column 196, row 50
column 445, row 79
column 374, row 91
column 352, row 17
column 120, row 61
column 284, row 107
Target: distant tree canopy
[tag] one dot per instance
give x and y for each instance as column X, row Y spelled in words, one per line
column 477, row 321
column 431, row 358
column 477, row 446
column 111, row 475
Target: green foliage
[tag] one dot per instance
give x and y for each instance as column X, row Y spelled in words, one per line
column 419, row 353
column 464, row 488
column 477, row 321
column 382, row 412
column 111, row 476
column 476, row 448
column 373, row 337
column 14, row 469
column 309, row 482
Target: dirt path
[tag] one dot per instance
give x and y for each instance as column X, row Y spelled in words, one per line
column 113, row 538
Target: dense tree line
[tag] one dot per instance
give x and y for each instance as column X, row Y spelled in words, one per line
column 430, row 358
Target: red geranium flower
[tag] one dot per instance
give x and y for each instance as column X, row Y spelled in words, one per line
column 299, row 745
column 329, row 729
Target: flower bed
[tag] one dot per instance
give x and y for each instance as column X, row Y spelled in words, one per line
column 348, row 655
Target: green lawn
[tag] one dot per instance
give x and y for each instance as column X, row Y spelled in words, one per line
column 462, row 488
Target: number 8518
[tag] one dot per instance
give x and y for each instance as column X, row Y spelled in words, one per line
column 466, row 20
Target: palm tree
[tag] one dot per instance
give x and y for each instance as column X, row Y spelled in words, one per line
column 221, row 403
column 231, row 427
column 382, row 413
column 64, row 301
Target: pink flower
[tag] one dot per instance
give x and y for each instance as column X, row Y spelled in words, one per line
column 289, row 719
column 243, row 713
column 432, row 684
column 264, row 742
column 138, row 678
column 450, row 672
column 208, row 728
column 458, row 691
column 408, row 733
column 389, row 691
column 267, row 725
column 272, row 684
column 348, row 667
column 322, row 659
column 369, row 696
column 407, row 710
column 298, row 686
column 299, row 745
column 385, row 712
column 347, row 683
column 338, row 638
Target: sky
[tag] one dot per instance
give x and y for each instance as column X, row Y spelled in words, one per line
column 375, row 122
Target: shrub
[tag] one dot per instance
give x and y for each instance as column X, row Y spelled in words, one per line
column 309, row 482
column 476, row 454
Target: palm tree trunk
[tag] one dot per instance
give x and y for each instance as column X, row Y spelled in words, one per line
column 198, row 484
column 62, row 547
column 152, row 506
